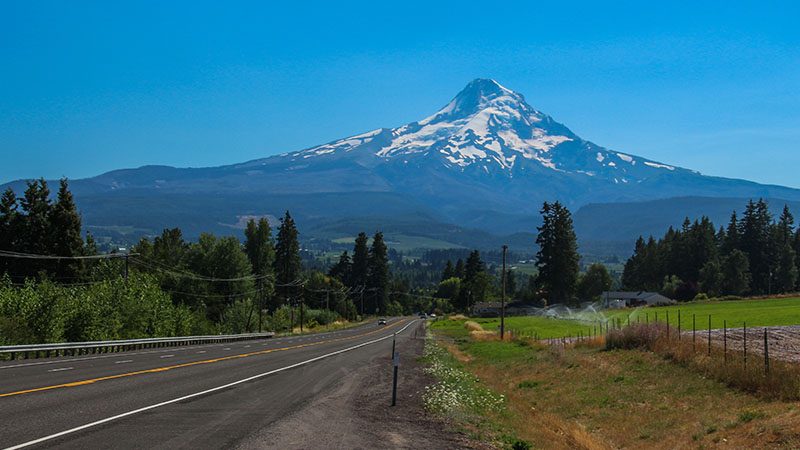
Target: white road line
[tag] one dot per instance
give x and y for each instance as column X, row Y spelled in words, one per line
column 246, row 346
column 166, row 356
column 228, row 348
column 60, row 369
column 198, row 394
column 123, row 362
column 201, row 351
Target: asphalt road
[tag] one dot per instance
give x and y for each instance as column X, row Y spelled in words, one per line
column 206, row 396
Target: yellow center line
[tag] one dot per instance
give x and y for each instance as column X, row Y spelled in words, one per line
column 189, row 364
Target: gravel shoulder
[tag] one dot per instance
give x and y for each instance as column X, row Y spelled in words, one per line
column 355, row 413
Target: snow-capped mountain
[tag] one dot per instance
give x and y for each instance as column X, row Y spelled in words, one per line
column 486, row 160
column 492, row 127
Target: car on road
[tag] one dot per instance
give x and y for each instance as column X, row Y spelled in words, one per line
column 381, row 321
column 423, row 316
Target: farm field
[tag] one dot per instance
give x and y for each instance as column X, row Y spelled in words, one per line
column 734, row 314
column 586, row 397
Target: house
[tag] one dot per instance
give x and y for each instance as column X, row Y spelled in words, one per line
column 622, row 299
column 486, row 309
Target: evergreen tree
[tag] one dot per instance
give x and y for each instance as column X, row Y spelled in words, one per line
column 755, row 243
column 557, row 259
column 735, row 274
column 796, row 247
column 360, row 267
column 732, row 239
column 65, row 232
column 378, row 274
column 460, row 271
column 449, row 271
column 9, row 227
column 35, row 227
column 261, row 253
column 342, row 270
column 287, row 258
column 474, row 266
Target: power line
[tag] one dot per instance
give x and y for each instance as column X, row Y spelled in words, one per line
column 19, row 255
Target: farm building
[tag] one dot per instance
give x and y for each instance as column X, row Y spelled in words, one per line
column 486, row 309
column 622, row 299
column 513, row 308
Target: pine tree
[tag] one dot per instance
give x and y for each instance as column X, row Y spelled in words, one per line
column 9, row 227
column 261, row 253
column 460, row 271
column 732, row 239
column 474, row 266
column 342, row 270
column 735, row 274
column 755, row 243
column 557, row 259
column 796, row 247
column 378, row 274
column 287, row 258
column 65, row 231
column 449, row 271
column 35, row 227
column 360, row 267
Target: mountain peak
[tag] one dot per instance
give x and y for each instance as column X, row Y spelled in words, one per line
column 477, row 95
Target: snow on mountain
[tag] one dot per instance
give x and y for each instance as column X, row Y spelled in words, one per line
column 491, row 125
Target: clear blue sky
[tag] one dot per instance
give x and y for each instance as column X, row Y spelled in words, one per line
column 87, row 87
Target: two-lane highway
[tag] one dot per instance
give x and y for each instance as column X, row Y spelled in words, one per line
column 198, row 396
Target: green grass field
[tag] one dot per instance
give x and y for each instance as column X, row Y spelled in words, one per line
column 756, row 313
column 767, row 312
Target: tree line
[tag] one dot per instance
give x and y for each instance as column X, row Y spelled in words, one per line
column 755, row 254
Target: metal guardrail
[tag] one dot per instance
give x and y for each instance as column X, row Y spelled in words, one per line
column 93, row 347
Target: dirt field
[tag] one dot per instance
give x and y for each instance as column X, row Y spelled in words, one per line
column 783, row 341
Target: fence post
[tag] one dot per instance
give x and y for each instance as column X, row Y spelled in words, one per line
column 709, row 335
column 766, row 353
column 667, row 324
column 647, row 318
column 744, row 345
column 725, row 340
column 679, row 324
column 694, row 332
column 656, row 321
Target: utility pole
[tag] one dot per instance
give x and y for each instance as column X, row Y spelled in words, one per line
column 503, row 297
column 301, row 314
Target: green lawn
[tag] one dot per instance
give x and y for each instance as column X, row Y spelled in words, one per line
column 769, row 312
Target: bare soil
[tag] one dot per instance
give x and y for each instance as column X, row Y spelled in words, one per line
column 783, row 341
column 356, row 414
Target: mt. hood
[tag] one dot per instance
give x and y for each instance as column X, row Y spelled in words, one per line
column 486, row 160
